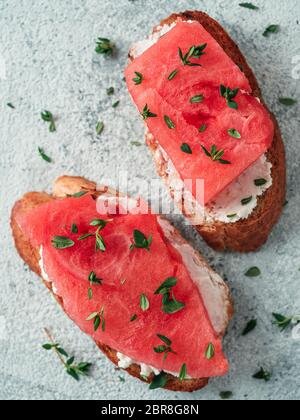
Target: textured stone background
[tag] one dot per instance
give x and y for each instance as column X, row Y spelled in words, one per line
column 48, row 52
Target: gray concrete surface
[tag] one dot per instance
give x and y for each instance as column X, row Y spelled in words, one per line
column 47, row 60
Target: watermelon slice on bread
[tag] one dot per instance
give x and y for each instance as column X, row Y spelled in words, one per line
column 159, row 304
column 217, row 129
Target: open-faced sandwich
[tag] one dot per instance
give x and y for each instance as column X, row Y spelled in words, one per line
column 206, row 120
column 128, row 280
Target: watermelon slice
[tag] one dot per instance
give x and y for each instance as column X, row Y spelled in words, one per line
column 126, row 274
column 184, row 101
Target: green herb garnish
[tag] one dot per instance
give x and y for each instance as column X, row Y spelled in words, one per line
column 10, row 105
column 232, row 216
column 43, row 155
column 47, row 116
column 260, row 182
column 249, row 6
column 144, row 303
column 138, row 79
column 159, row 381
column 116, row 104
column 74, row 228
column 165, row 349
column 186, row 148
column 272, row 29
column 79, row 194
column 249, row 327
column 133, row 318
column 173, row 74
column 136, row 143
column 234, row 133
column 169, row 304
column 194, row 52
column 253, row 272
column 229, row 95
column 147, row 113
column 100, row 224
column 284, row 322
column 61, row 242
column 183, row 373
column 216, row 155
column 202, row 128
column 98, row 318
column 288, row 101
column 226, row 395
column 210, row 352
column 99, row 127
column 197, row 99
column 169, row 122
column 140, row 241
column 246, row 201
column 104, row 46
column 110, row 91
column 263, row 375
column 72, row 369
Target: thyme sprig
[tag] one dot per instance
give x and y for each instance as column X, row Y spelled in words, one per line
column 72, row 369
column 216, row 155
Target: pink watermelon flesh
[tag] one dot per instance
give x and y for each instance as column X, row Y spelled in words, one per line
column 172, row 99
column 126, row 276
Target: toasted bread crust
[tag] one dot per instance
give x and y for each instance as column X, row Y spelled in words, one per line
column 64, row 186
column 247, row 235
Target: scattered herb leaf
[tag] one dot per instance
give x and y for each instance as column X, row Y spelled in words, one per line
column 10, row 105
column 169, row 122
column 263, row 375
column 288, row 101
column 249, row 327
column 193, row 52
column 159, row 381
column 284, row 322
column 210, row 352
column 260, row 182
column 197, row 99
column 79, row 194
column 147, row 113
column 110, row 91
column 173, row 74
column 98, row 319
column 62, row 242
column 246, row 201
column 249, row 6
column 234, row 133
column 183, row 373
column 162, row 348
column 116, row 104
column 216, row 155
column 104, row 46
column 202, row 128
column 169, row 304
column 226, row 395
column 229, row 95
column 140, row 241
column 47, row 116
column 138, row 79
column 74, row 228
column 44, row 156
column 272, row 29
column 186, row 149
column 136, row 143
column 99, row 127
column 133, row 318
column 253, row 272
column 144, row 303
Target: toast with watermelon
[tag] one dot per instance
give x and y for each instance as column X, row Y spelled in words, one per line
column 128, row 280
column 206, row 120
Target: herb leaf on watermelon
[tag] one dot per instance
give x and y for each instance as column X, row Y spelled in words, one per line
column 138, row 79
column 183, row 372
column 173, row 74
column 144, row 303
column 166, row 348
column 141, row 241
column 229, row 95
column 210, row 352
column 193, row 52
column 216, row 155
column 169, row 304
column 62, row 242
column 98, row 319
column 147, row 113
